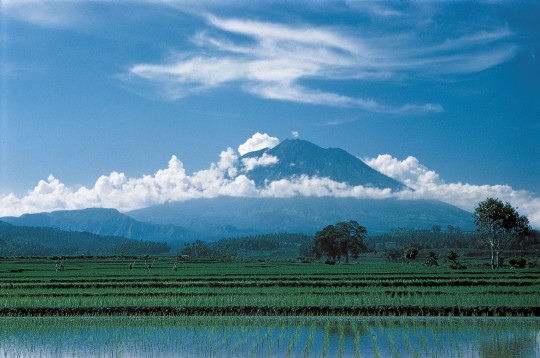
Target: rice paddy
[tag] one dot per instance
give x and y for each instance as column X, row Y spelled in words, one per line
column 101, row 286
column 116, row 306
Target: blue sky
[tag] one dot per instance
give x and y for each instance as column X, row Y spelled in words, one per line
column 442, row 93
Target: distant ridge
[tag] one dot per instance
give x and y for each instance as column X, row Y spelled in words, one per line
column 106, row 222
column 300, row 157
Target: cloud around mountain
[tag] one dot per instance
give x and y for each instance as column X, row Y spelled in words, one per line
column 229, row 177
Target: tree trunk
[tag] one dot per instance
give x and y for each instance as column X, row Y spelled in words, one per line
column 492, row 258
column 492, row 246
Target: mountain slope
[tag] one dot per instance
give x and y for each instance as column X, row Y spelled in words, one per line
column 234, row 216
column 107, row 222
column 299, row 157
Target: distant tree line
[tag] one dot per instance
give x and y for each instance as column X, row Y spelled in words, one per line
column 434, row 238
column 133, row 247
column 396, row 245
column 238, row 246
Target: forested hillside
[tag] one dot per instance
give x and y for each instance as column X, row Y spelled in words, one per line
column 38, row 241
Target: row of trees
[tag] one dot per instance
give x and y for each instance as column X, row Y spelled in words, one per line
column 425, row 238
column 498, row 224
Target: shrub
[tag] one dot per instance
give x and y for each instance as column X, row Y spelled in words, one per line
column 410, row 253
column 518, row 262
column 393, row 254
column 433, row 259
column 453, row 258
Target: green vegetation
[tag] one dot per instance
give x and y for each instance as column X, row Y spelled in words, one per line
column 175, row 286
column 270, row 246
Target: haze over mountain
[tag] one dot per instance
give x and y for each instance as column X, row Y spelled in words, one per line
column 232, row 216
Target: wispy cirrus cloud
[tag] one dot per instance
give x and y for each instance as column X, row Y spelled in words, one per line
column 338, row 122
column 376, row 9
column 273, row 61
column 48, row 14
column 270, row 61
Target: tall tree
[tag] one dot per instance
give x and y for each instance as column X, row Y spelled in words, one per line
column 343, row 239
column 499, row 224
column 326, row 243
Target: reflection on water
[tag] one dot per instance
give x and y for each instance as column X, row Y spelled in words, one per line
column 269, row 336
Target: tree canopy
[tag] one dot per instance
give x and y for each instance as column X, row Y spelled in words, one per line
column 499, row 224
column 342, row 239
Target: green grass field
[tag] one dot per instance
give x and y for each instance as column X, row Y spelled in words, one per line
column 104, row 286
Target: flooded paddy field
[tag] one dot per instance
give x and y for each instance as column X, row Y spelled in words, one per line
column 221, row 336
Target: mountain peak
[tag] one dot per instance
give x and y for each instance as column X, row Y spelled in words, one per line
column 294, row 158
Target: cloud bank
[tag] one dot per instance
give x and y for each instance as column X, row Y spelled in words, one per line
column 428, row 185
column 229, row 177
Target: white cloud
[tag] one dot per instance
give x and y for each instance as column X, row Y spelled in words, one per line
column 409, row 171
column 315, row 186
column 258, row 141
column 262, row 161
column 192, row 75
column 427, row 184
column 295, row 134
column 117, row 190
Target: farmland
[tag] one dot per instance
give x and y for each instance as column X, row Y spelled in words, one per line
column 107, row 286
column 117, row 306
